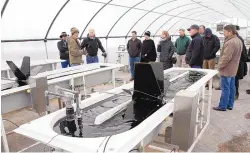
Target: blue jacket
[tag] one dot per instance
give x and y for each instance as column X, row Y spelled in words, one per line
column 195, row 51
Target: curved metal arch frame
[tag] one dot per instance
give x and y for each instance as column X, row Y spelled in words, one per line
column 94, row 17
column 162, row 16
column 198, row 16
column 210, row 8
column 123, row 16
column 51, row 24
column 148, row 13
column 170, row 19
column 187, row 15
column 4, row 7
column 238, row 9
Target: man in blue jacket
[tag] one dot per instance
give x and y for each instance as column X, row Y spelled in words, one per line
column 195, row 51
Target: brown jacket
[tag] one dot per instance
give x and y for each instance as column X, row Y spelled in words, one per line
column 230, row 57
column 75, row 55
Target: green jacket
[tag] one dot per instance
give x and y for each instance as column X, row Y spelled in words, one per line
column 181, row 45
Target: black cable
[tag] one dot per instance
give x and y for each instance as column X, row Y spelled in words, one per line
column 101, row 145
column 49, row 142
column 106, row 144
column 10, row 122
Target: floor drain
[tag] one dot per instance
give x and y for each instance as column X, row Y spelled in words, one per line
column 247, row 116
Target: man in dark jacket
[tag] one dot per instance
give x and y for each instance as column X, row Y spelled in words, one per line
column 242, row 69
column 92, row 44
column 63, row 49
column 134, row 51
column 195, row 51
column 181, row 45
column 211, row 47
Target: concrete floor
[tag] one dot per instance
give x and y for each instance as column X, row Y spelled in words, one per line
column 228, row 131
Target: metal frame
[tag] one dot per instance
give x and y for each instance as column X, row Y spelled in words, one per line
column 163, row 15
column 94, row 17
column 187, row 15
column 237, row 8
column 171, row 19
column 4, row 7
column 105, row 4
column 147, row 14
column 198, row 16
column 210, row 8
column 51, row 24
column 123, row 16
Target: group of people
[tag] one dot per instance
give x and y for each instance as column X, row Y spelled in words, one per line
column 71, row 51
column 200, row 52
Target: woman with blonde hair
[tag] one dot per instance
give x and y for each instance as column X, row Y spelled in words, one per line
column 166, row 49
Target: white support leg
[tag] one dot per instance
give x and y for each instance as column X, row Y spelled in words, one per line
column 4, row 139
column 8, row 74
column 54, row 66
column 209, row 99
column 202, row 106
column 84, row 86
column 113, row 77
column 72, row 83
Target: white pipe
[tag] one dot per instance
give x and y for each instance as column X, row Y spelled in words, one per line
column 202, row 106
column 181, row 75
column 110, row 113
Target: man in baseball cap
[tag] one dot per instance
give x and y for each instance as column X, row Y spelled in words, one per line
column 195, row 51
column 62, row 46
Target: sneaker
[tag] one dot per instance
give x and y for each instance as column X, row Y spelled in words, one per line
column 230, row 108
column 218, row 109
column 132, row 79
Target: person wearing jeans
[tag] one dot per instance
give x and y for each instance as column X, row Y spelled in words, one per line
column 228, row 93
column 228, row 66
column 63, row 50
column 91, row 44
column 134, row 51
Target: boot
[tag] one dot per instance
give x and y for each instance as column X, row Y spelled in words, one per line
column 237, row 96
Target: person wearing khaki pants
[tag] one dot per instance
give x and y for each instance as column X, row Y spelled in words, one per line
column 211, row 47
column 181, row 45
column 180, row 61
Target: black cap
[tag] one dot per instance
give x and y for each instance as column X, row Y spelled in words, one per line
column 237, row 27
column 63, row 34
column 208, row 31
column 147, row 33
column 195, row 26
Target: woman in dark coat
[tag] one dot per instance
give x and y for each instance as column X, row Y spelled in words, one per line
column 148, row 50
column 167, row 50
column 242, row 69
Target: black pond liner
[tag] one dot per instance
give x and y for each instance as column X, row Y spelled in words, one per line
column 124, row 120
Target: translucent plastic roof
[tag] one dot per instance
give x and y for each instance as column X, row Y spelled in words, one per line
column 46, row 19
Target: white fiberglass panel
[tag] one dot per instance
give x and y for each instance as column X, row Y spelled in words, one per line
column 77, row 14
column 126, row 22
column 29, row 19
column 105, row 19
